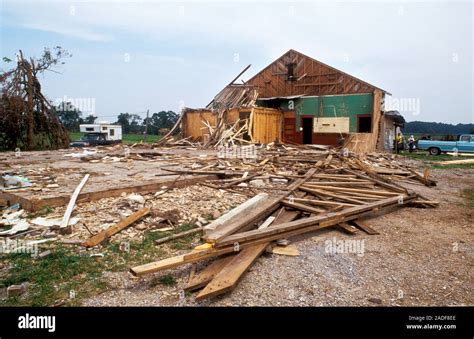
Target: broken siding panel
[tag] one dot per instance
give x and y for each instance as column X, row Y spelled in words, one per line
column 194, row 126
column 266, row 125
column 367, row 142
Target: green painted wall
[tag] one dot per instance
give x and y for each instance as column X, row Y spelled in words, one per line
column 330, row 106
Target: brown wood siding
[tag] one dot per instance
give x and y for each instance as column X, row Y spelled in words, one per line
column 266, row 125
column 311, row 77
column 193, row 123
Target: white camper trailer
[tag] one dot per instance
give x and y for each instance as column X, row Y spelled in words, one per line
column 99, row 134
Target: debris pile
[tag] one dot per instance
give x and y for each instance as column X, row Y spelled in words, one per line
column 326, row 189
column 240, row 207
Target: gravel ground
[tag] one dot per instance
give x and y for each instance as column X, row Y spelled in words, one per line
column 421, row 257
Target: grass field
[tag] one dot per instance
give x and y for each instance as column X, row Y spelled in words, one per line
column 126, row 138
column 432, row 160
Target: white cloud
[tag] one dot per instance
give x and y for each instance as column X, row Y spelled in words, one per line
column 403, row 52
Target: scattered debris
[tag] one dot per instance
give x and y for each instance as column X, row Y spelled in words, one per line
column 100, row 237
column 289, row 250
column 15, row 290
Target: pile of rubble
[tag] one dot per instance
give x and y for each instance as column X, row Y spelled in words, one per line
column 253, row 204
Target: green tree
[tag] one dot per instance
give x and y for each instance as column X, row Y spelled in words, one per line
column 90, row 119
column 131, row 123
column 69, row 116
column 161, row 120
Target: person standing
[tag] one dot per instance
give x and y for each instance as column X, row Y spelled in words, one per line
column 411, row 143
column 398, row 143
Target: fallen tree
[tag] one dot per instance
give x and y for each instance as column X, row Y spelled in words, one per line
column 27, row 119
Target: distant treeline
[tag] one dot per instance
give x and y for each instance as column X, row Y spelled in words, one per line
column 422, row 127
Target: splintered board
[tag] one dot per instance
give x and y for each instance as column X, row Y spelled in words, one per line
column 230, row 275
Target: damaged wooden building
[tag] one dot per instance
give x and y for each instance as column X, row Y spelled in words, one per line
column 297, row 99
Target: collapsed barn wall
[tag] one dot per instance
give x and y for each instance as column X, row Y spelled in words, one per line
column 264, row 125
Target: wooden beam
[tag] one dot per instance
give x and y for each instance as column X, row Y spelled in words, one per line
column 230, row 275
column 202, row 278
column 323, row 202
column 196, row 256
column 258, row 212
column 100, row 237
column 330, row 218
column 251, row 215
column 378, row 181
column 235, row 213
column 302, row 207
column 364, row 227
column 347, row 228
column 334, row 196
column 355, row 190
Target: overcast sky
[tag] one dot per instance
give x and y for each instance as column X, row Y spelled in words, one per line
column 130, row 56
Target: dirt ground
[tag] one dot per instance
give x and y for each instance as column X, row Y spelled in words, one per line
column 421, row 257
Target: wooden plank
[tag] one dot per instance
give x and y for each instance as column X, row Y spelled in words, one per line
column 235, row 214
column 251, row 254
column 342, row 183
column 230, row 275
column 355, row 190
column 302, row 207
column 334, row 196
column 282, row 216
column 377, row 180
column 252, row 215
column 100, row 237
column 330, row 218
column 347, row 228
column 364, row 227
column 196, row 256
column 72, row 202
column 323, row 202
column 202, row 278
column 258, row 212
column 289, row 250
column 238, row 181
column 267, row 222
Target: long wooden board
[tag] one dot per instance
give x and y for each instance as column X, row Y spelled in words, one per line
column 196, row 256
column 364, row 227
column 202, row 278
column 331, row 217
column 260, row 211
column 101, row 236
column 230, row 275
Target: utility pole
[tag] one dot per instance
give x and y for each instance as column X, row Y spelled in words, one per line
column 146, row 126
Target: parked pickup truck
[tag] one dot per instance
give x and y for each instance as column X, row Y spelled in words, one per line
column 98, row 134
column 465, row 144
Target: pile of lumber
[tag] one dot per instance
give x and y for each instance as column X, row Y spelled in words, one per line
column 334, row 191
